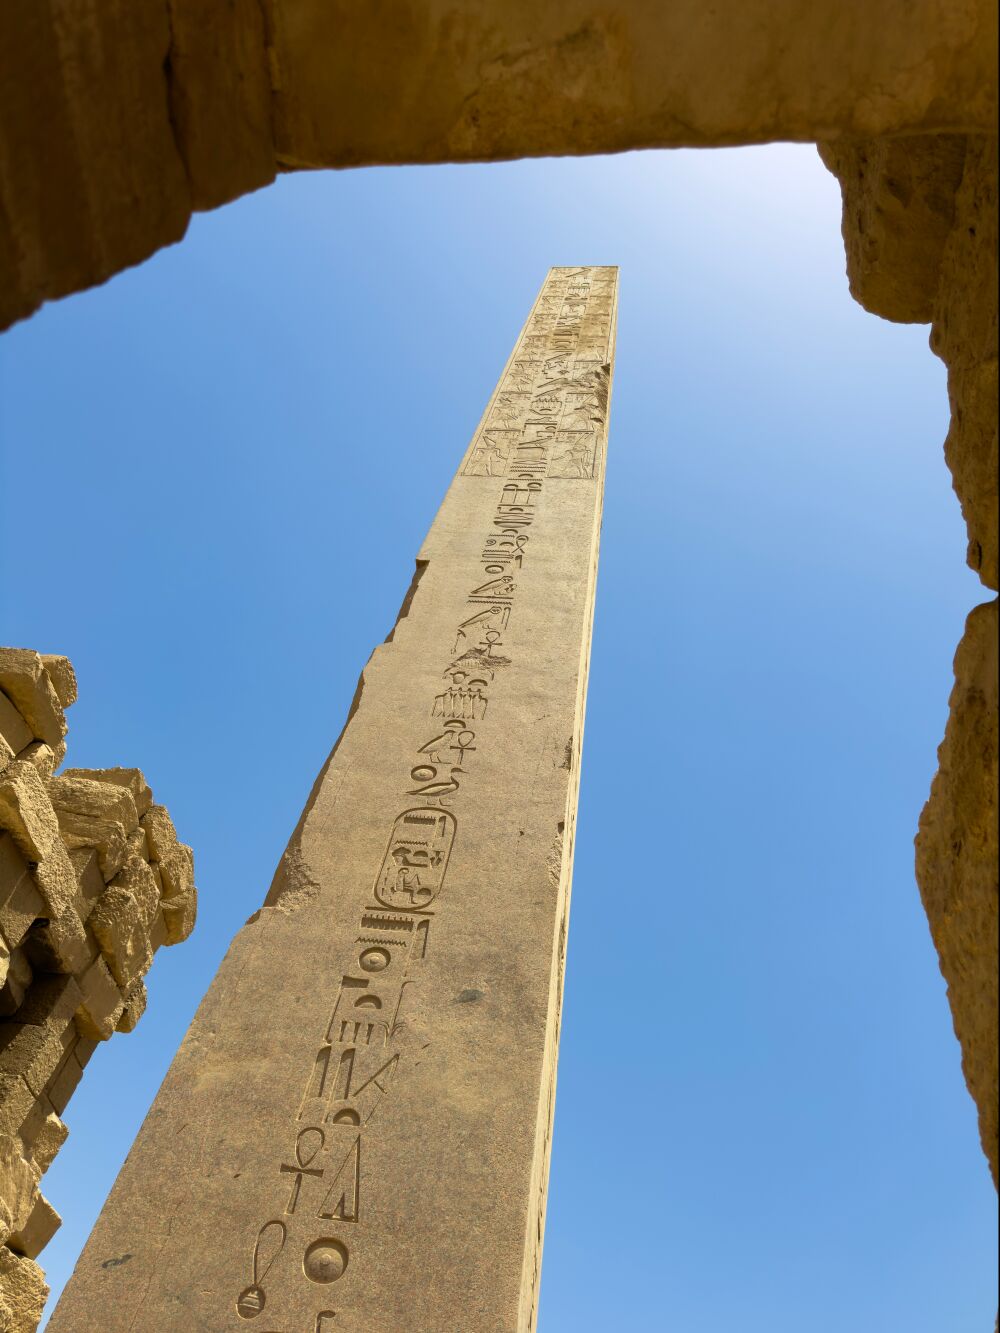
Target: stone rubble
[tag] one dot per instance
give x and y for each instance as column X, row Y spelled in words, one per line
column 92, row 881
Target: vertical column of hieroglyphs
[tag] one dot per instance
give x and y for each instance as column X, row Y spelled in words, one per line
column 365, row 1158
column 547, row 420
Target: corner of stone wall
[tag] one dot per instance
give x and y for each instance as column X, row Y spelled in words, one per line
column 93, row 880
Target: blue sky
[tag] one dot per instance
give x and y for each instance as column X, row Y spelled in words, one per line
column 216, row 472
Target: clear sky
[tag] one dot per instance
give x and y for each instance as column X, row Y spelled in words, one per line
column 216, row 472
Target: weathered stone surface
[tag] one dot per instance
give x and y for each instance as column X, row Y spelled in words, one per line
column 16, row 1100
column 18, row 1186
column 64, row 1080
column 26, row 812
column 220, row 98
column 47, row 1140
column 160, row 831
column 957, row 863
column 115, row 122
column 37, row 1230
column 134, row 1007
column 90, row 176
column 964, row 335
column 179, row 903
column 913, row 253
column 18, row 978
column 121, row 919
column 14, row 731
column 101, row 1002
column 23, row 1293
column 43, row 758
column 110, row 801
column 26, row 683
column 33, row 1052
column 63, row 677
column 20, row 901
column 402, row 983
column 129, row 778
column 57, row 994
column 899, row 207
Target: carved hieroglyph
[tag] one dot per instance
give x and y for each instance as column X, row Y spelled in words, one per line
column 354, row 1135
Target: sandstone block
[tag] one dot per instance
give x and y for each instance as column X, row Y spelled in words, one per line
column 64, row 1080
column 972, row 457
column 110, row 840
column 23, row 1292
column 33, row 1126
column 102, row 800
column 137, row 844
column 965, row 309
column 26, row 683
column 101, row 1002
column 43, row 758
column 63, row 677
column 22, row 908
column 92, row 178
column 180, row 899
column 956, row 862
column 18, row 1185
column 135, row 1007
column 16, row 983
column 899, row 205
column 13, row 866
column 35, row 1233
column 16, row 1102
column 129, row 778
column 86, row 866
column 220, row 98
column 51, row 1000
column 13, row 728
column 160, row 831
column 48, row 1138
column 58, row 942
column 179, row 915
column 26, row 811
column 33, row 1052
column 158, row 932
column 121, row 919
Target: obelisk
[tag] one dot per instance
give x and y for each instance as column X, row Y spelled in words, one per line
column 354, row 1135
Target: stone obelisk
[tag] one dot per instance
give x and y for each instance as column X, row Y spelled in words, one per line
column 354, row 1135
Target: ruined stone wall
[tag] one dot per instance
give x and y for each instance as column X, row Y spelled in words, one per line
column 920, row 229
column 92, row 881
column 119, row 119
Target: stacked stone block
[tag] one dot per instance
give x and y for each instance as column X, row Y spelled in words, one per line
column 92, row 881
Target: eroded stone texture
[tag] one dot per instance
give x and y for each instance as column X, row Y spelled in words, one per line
column 86, row 896
column 920, row 230
column 355, row 1132
column 964, row 335
column 899, row 207
column 116, row 120
column 957, row 863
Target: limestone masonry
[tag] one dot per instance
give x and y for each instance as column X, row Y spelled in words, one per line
column 92, row 882
column 354, row 1136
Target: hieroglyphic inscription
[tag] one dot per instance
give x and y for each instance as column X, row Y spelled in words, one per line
column 554, row 395
column 545, row 420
